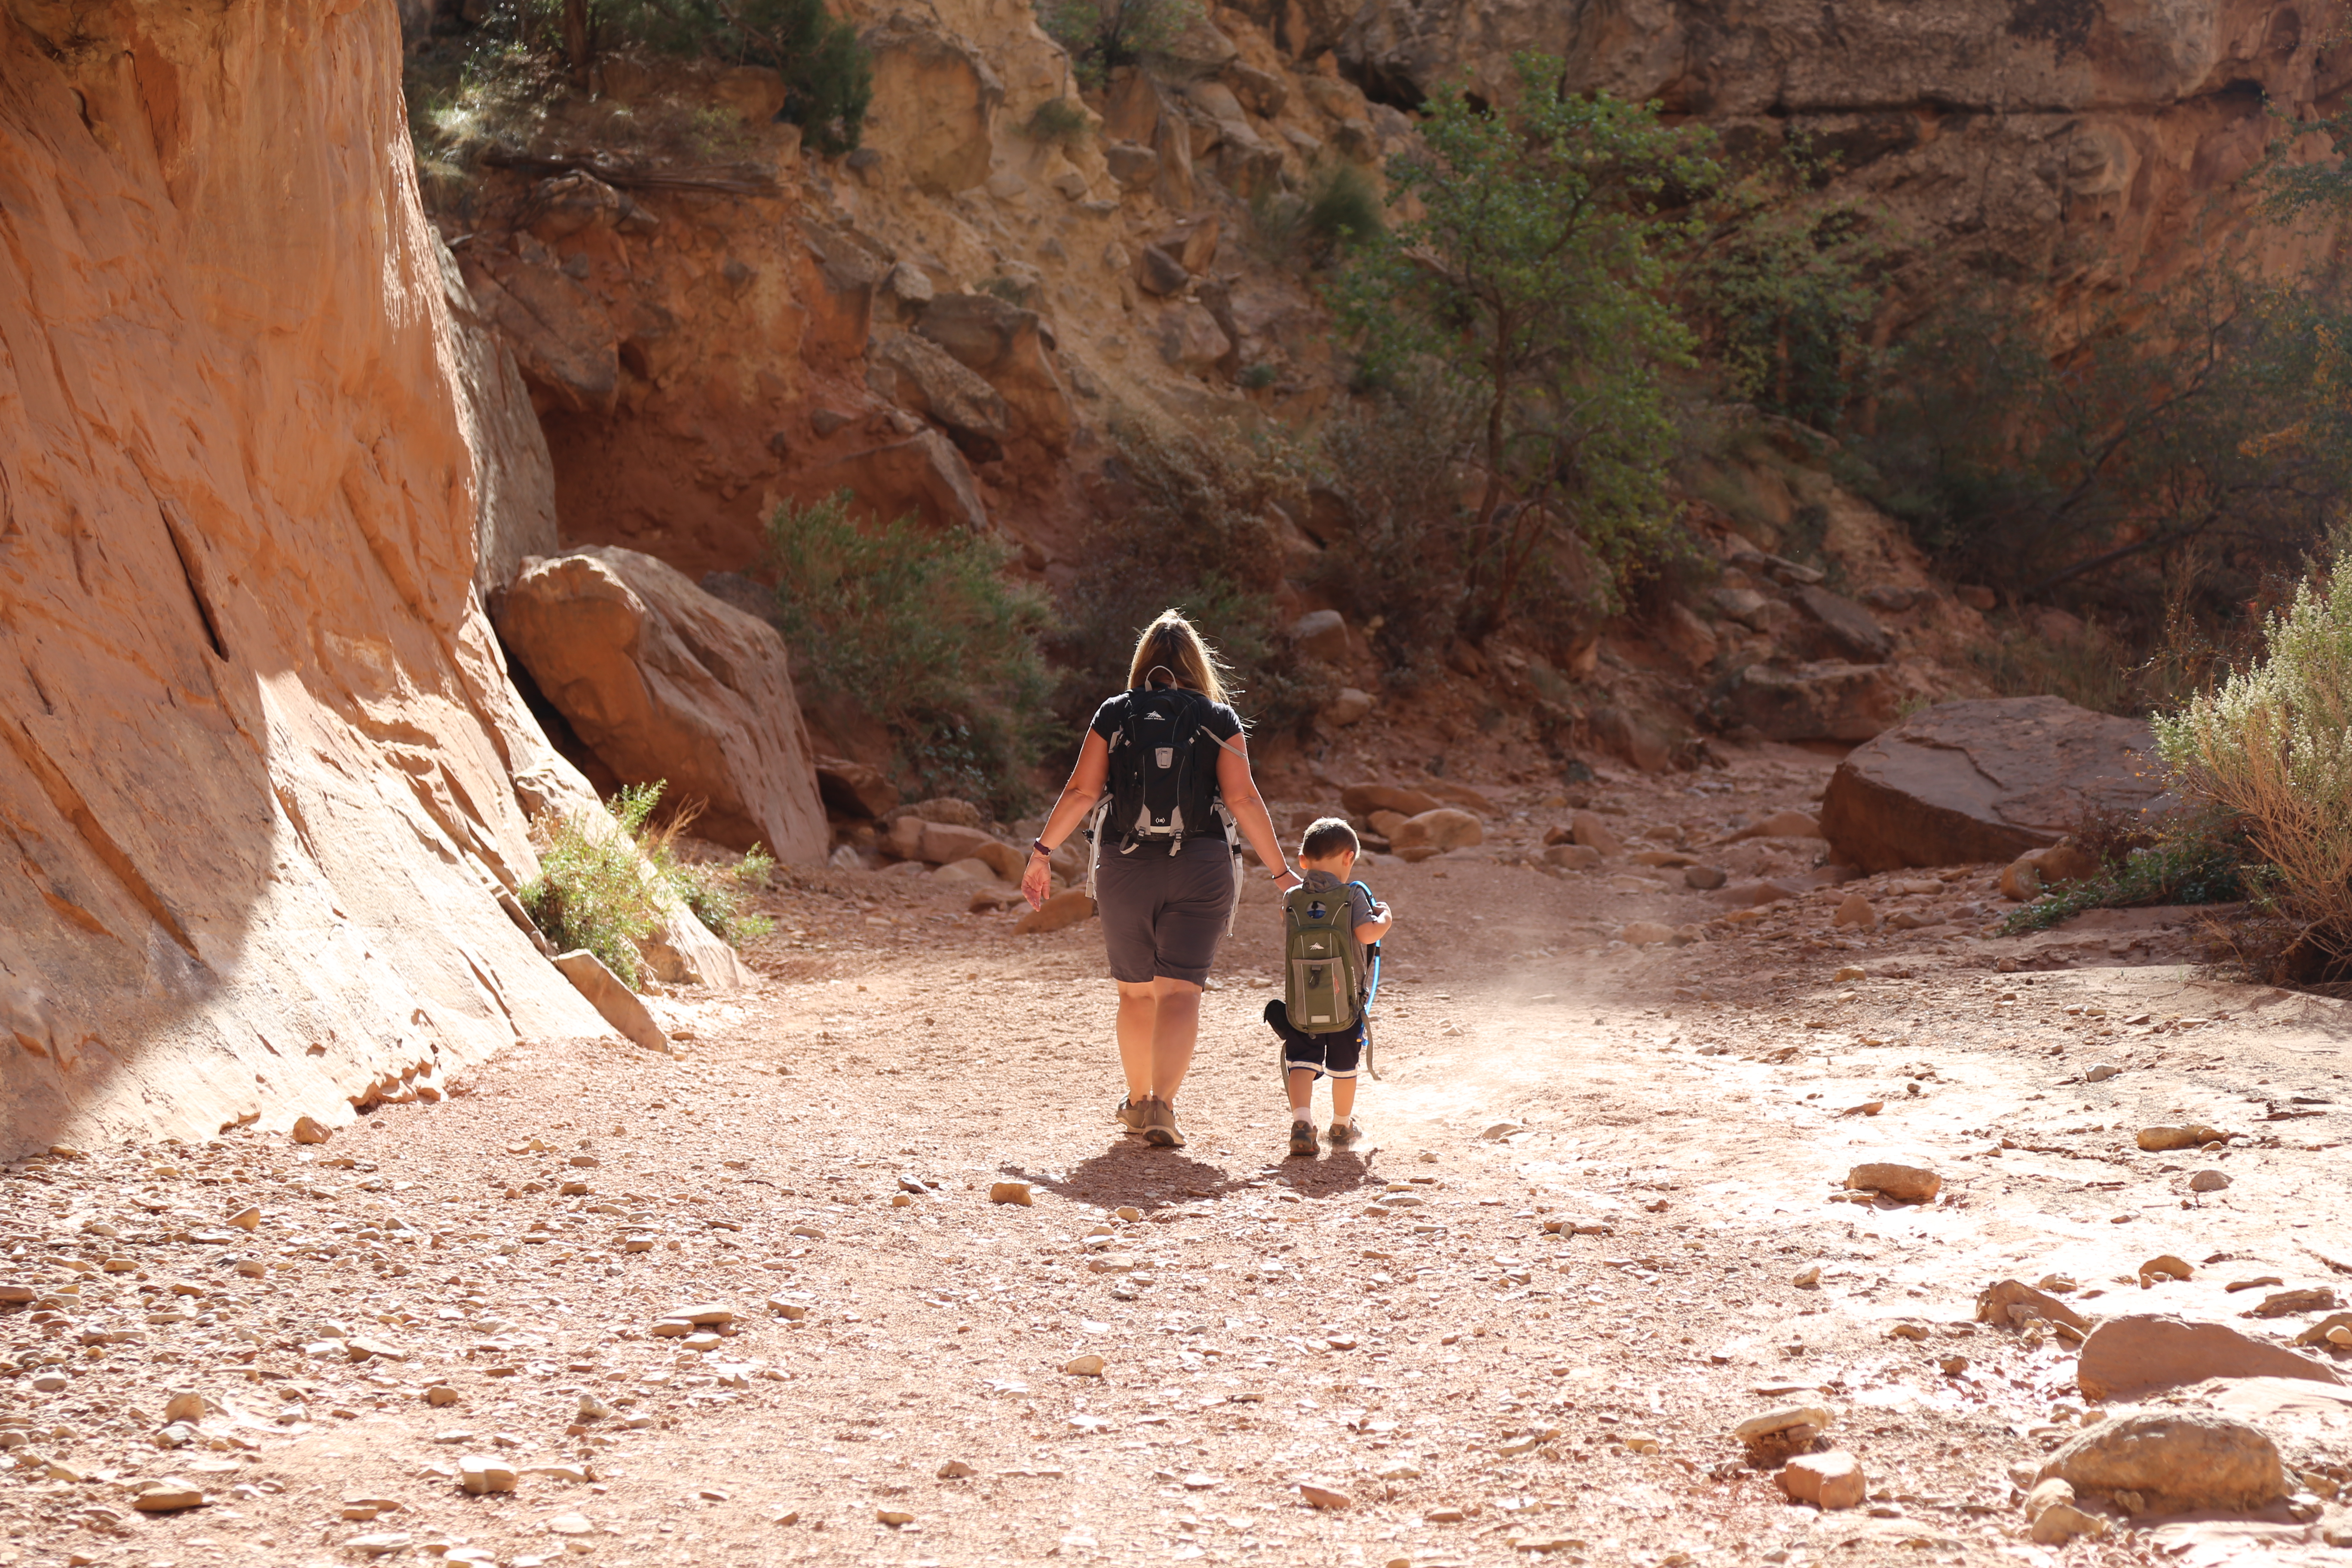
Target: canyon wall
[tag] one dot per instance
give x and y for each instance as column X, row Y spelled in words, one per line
column 265, row 774
column 2069, row 142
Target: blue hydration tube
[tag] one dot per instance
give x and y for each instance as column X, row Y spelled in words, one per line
column 1371, row 993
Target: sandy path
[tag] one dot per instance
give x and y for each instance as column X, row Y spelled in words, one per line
column 1466, row 1380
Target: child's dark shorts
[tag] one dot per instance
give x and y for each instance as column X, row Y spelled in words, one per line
column 1336, row 1055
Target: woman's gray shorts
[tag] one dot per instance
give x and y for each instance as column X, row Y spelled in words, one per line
column 1162, row 914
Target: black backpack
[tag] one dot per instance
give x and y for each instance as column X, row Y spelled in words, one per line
column 1162, row 787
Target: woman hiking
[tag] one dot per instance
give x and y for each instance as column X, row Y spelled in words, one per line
column 1170, row 750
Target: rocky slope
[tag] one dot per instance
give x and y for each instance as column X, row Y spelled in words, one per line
column 266, row 778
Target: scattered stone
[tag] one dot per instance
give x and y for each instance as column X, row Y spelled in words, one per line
column 2164, row 1265
column 570, row 1524
column 1831, row 1481
column 310, row 1130
column 1809, row 1278
column 2162, row 1140
column 1704, row 878
column 1444, row 828
column 2257, row 1283
column 2208, row 1180
column 1779, row 1424
column 1010, row 1192
column 1641, row 1442
column 247, row 1218
column 1592, row 831
column 1085, row 1366
column 1645, row 933
column 702, row 1314
column 440, row 1395
column 1779, row 825
column 956, row 1470
column 2050, row 1510
column 2001, row 1303
column 2284, row 1303
column 893, row 1517
column 480, row 1476
column 2100, row 1072
column 1572, row 856
column 1323, row 1495
column 380, row 1545
column 2177, row 1459
column 591, row 1408
column 188, row 1407
column 170, row 1495
column 1903, row 1182
column 2127, row 1357
column 1855, row 911
column 2325, row 1330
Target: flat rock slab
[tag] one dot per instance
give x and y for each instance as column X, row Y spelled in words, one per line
column 2127, row 1357
column 1965, row 782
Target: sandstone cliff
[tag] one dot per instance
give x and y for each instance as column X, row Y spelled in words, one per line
column 265, row 771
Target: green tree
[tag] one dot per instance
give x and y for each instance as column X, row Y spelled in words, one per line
column 1532, row 275
column 828, row 75
column 1104, row 34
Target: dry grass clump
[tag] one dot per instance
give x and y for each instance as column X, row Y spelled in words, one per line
column 2270, row 746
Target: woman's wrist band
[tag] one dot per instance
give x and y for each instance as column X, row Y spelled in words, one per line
column 1278, row 876
column 1037, row 847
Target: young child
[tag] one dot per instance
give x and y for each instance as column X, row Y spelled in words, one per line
column 1327, row 859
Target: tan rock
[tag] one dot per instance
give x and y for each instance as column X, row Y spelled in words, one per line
column 923, row 476
column 1903, row 1180
column 935, row 103
column 2127, row 1357
column 1361, row 799
column 481, row 1475
column 703, row 1314
column 618, row 1006
column 170, row 1495
column 1831, row 1481
column 1444, row 828
column 247, row 1218
column 1572, row 856
column 1998, row 1303
column 309, row 1129
column 1324, row 1495
column 1828, row 701
column 1854, row 912
column 1009, row 348
column 1779, row 825
column 755, row 93
column 1085, row 1366
column 2164, row 1265
column 1645, row 933
column 1592, row 831
column 1774, row 1422
column 1983, row 780
column 184, row 1406
column 1064, row 909
column 1010, row 1192
column 2159, row 1139
column 2178, row 1460
column 2327, row 1329
column 665, row 682
column 854, row 789
column 956, row 1470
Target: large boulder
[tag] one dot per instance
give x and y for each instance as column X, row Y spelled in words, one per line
column 923, row 477
column 1983, row 780
column 1010, row 349
column 923, row 378
column 934, row 106
column 2177, row 1461
column 514, row 503
column 663, row 682
column 2126, row 1358
column 1812, row 702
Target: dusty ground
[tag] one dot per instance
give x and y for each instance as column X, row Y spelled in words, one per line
column 1395, row 1324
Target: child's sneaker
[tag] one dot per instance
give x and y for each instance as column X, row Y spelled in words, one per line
column 1342, row 1134
column 1302, row 1138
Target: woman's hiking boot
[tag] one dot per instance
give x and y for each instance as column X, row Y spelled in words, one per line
column 1129, row 1115
column 1302, row 1138
column 1159, row 1127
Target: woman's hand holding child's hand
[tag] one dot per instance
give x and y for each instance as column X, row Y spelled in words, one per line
column 1037, row 881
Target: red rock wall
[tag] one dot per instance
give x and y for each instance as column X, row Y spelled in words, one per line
column 262, row 756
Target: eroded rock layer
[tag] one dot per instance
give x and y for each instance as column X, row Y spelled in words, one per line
column 263, row 759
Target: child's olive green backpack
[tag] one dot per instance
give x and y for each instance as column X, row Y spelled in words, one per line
column 1323, row 991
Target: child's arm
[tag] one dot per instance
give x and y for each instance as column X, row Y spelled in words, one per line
column 1372, row 930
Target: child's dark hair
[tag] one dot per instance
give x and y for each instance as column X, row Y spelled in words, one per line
column 1327, row 837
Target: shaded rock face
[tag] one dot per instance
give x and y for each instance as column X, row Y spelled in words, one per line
column 2131, row 1357
column 263, row 768
column 2007, row 128
column 665, row 682
column 1985, row 780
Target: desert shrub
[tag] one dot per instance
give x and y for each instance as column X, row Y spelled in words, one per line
column 1394, row 473
column 2200, row 421
column 603, row 888
column 1101, row 35
column 1342, row 206
column 828, row 75
column 2202, row 858
column 592, row 888
column 1193, row 527
column 1781, row 281
column 2270, row 745
column 921, row 631
column 1531, row 275
column 1061, row 121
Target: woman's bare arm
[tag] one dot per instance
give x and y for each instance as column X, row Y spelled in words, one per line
column 1240, row 790
column 1087, row 778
